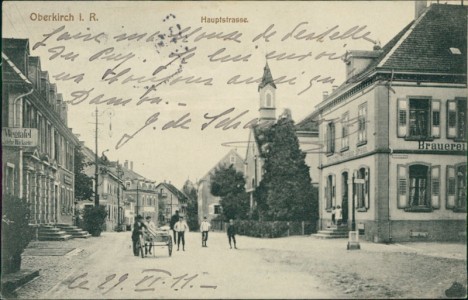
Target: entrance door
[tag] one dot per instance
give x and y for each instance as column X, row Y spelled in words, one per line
column 344, row 200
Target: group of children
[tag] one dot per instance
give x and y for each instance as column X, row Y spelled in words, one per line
column 179, row 227
column 337, row 215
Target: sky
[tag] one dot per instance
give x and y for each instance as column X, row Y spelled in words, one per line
column 178, row 76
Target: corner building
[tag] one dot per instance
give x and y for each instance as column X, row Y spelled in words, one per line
column 394, row 134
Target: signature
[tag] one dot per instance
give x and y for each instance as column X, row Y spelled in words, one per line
column 148, row 283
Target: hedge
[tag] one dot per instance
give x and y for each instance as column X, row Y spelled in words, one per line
column 272, row 229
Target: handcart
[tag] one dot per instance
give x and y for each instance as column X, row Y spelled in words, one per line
column 158, row 238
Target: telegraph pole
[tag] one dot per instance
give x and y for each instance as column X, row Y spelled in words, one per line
column 96, row 162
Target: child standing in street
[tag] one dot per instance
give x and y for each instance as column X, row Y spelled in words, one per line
column 204, row 228
column 231, row 233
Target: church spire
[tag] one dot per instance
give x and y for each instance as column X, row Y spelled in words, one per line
column 267, row 79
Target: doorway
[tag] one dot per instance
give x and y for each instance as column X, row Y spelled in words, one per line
column 344, row 200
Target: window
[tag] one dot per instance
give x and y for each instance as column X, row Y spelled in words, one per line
column 268, row 100
column 9, row 183
column 362, row 189
column 456, row 119
column 362, row 124
column 330, row 138
column 232, row 159
column 418, row 118
column 456, row 188
column 345, row 132
column 330, row 191
column 418, row 187
column 217, row 209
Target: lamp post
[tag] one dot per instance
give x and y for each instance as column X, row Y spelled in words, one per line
column 96, row 163
column 119, row 176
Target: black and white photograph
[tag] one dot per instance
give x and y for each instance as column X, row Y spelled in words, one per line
column 234, row 149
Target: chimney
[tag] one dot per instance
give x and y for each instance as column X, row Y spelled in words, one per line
column 420, row 6
column 357, row 61
column 334, row 88
column 126, row 164
column 131, row 165
column 325, row 95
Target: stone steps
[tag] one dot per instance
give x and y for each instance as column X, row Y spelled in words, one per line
column 74, row 231
column 340, row 232
column 48, row 232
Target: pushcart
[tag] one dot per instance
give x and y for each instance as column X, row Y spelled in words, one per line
column 159, row 238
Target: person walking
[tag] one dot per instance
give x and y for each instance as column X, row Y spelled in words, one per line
column 174, row 220
column 150, row 233
column 204, row 228
column 138, row 230
column 231, row 233
column 181, row 227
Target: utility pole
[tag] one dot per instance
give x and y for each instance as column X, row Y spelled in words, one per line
column 96, row 162
column 137, row 202
column 119, row 175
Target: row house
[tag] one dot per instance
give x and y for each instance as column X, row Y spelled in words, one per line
column 37, row 146
column 172, row 199
column 209, row 206
column 110, row 187
column 393, row 134
column 140, row 195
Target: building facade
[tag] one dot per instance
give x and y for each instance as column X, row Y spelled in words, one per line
column 173, row 199
column 140, row 195
column 394, row 134
column 110, row 187
column 209, row 206
column 37, row 146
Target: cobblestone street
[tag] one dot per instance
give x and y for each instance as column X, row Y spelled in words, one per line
column 293, row 267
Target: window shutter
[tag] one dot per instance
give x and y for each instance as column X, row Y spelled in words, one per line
column 435, row 118
column 402, row 126
column 402, row 187
column 451, row 187
column 366, row 187
column 435, row 187
column 451, row 119
column 211, row 209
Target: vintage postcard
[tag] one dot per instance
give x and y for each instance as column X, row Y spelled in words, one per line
column 234, row 149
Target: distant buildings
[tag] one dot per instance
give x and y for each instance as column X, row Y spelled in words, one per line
column 209, row 205
column 37, row 146
column 394, row 136
column 140, row 195
column 173, row 199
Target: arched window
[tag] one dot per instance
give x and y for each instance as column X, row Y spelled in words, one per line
column 268, row 100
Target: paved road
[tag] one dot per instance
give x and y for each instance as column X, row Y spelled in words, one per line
column 214, row 272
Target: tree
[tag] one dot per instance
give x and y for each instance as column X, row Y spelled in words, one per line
column 83, row 183
column 229, row 184
column 94, row 218
column 16, row 232
column 192, row 204
column 285, row 193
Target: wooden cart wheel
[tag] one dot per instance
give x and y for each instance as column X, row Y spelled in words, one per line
column 169, row 246
column 142, row 247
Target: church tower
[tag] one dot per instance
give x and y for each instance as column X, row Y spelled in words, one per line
column 267, row 91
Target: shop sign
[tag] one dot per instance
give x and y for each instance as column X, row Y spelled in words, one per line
column 67, row 179
column 423, row 145
column 19, row 137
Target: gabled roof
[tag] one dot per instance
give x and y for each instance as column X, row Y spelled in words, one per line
column 267, row 79
column 231, row 152
column 179, row 194
column 11, row 73
column 421, row 47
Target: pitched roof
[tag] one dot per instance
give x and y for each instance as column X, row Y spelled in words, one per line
column 232, row 151
column 423, row 46
column 267, row 78
column 179, row 194
column 11, row 73
column 427, row 46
